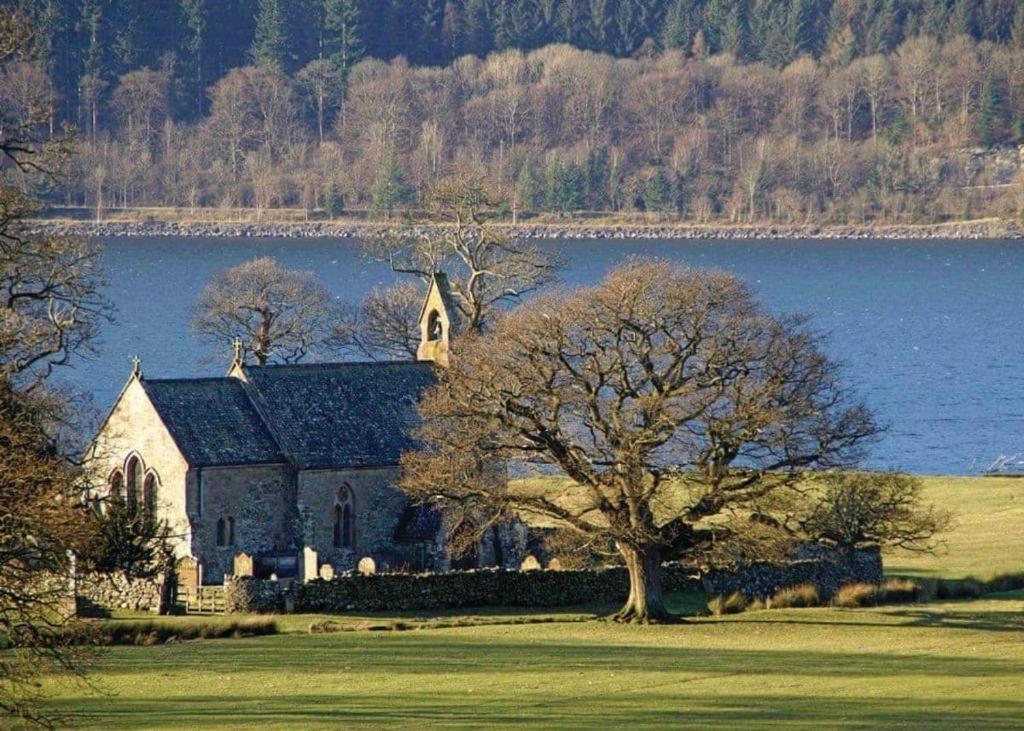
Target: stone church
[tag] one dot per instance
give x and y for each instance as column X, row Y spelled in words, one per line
column 274, row 460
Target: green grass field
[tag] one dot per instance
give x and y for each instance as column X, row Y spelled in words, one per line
column 938, row 665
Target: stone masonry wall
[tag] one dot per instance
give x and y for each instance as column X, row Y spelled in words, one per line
column 378, row 507
column 394, row 592
column 105, row 592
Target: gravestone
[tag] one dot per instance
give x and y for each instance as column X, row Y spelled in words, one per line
column 243, row 565
column 555, row 565
column 188, row 573
column 309, row 565
column 326, row 572
column 367, row 566
column 530, row 563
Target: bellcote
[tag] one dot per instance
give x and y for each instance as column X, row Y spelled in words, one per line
column 438, row 321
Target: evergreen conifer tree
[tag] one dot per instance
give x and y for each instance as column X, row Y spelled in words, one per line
column 343, row 42
column 390, row 189
column 270, row 43
column 680, row 25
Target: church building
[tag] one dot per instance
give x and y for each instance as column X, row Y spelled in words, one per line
column 273, row 460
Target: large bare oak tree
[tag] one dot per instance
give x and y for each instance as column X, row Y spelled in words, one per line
column 278, row 314
column 667, row 396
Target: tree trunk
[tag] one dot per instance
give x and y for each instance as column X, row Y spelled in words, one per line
column 645, row 602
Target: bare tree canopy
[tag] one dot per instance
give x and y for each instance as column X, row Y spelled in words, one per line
column 851, row 510
column 667, row 396
column 386, row 326
column 279, row 314
column 50, row 287
column 486, row 269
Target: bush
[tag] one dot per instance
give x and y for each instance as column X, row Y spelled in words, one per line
column 803, row 595
column 105, row 633
column 732, row 604
column 968, row 588
column 856, row 595
column 1005, row 582
column 901, row 591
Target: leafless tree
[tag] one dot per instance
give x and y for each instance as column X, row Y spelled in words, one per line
column 486, row 268
column 850, row 510
column 386, row 325
column 666, row 396
column 277, row 314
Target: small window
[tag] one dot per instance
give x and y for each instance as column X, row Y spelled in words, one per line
column 344, row 520
column 435, row 330
column 149, row 493
column 226, row 532
column 134, row 474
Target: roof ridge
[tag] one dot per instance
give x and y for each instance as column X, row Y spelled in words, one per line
column 339, row 364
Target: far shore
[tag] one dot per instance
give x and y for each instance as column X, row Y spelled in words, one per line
column 542, row 229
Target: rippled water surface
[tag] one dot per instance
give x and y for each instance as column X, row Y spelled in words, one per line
column 931, row 333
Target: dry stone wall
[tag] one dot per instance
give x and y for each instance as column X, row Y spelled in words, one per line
column 352, row 592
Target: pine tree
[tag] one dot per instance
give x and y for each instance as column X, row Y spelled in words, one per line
column 428, row 50
column 194, row 13
column 681, row 22
column 270, row 44
column 736, row 34
column 991, row 113
column 476, row 35
column 528, row 188
column 595, row 173
column 343, row 43
column 961, row 19
column 657, row 193
column 389, row 188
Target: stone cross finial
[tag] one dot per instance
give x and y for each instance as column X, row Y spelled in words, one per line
column 137, row 367
column 239, row 357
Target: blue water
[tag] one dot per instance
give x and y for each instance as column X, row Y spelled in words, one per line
column 931, row 334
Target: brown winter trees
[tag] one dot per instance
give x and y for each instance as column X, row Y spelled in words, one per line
column 486, row 268
column 277, row 314
column 667, row 396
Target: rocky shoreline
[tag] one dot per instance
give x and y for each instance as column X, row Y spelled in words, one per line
column 989, row 229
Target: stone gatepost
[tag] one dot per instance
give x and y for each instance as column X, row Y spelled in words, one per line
column 310, row 569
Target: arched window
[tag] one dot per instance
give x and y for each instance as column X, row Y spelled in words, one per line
column 435, row 330
column 344, row 520
column 134, row 476
column 116, row 485
column 222, row 531
column 149, row 493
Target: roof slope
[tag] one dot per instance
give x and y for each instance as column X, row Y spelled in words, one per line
column 341, row 414
column 213, row 422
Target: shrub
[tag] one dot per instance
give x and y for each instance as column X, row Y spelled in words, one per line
column 856, row 595
column 732, row 604
column 1005, row 582
column 105, row 633
column 901, row 591
column 968, row 588
column 802, row 595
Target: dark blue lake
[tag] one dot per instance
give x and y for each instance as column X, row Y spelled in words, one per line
column 931, row 333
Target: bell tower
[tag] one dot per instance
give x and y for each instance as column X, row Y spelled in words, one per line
column 438, row 320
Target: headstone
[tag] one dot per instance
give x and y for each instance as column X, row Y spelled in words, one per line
column 555, row 565
column 187, row 571
column 367, row 566
column 530, row 563
column 243, row 565
column 326, row 572
column 309, row 565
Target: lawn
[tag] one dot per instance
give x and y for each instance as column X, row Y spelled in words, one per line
column 988, row 535
column 926, row 666
column 938, row 665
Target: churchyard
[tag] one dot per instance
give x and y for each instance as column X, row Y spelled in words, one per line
column 937, row 664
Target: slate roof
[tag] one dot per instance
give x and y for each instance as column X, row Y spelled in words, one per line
column 340, row 414
column 213, row 422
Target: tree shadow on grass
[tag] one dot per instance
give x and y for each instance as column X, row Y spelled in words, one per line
column 631, row 707
column 416, row 654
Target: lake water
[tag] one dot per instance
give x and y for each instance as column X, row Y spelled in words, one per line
column 931, row 333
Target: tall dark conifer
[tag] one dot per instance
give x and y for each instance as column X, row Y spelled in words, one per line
column 270, row 43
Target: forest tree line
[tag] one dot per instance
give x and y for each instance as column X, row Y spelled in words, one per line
column 797, row 110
